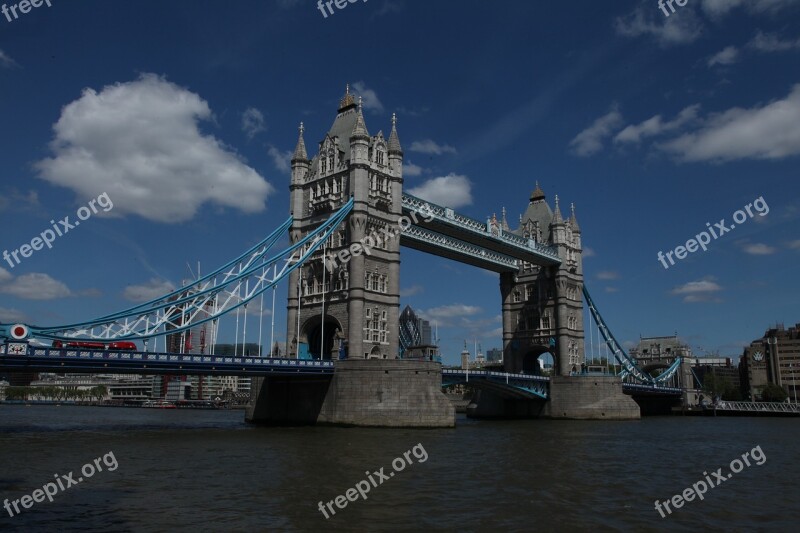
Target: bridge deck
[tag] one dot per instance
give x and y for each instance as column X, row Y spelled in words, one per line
column 447, row 222
column 93, row 361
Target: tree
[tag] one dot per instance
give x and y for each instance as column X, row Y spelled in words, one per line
column 773, row 393
column 99, row 392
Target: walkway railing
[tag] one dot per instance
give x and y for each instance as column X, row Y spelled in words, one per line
column 448, row 216
column 757, row 407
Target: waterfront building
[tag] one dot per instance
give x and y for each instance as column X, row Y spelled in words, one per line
column 654, row 349
column 465, row 362
column 772, row 359
column 495, row 355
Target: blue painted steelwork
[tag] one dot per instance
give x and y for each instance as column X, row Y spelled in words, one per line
column 629, row 364
column 209, row 297
column 652, row 389
column 514, row 243
column 537, row 386
column 94, row 361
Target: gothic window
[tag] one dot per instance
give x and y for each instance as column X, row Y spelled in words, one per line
column 380, row 157
column 517, row 296
column 375, row 282
column 546, row 322
column 529, row 291
column 367, row 280
column 369, row 312
column 550, row 293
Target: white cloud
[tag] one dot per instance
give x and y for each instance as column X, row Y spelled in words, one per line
column 716, row 8
column 590, row 140
column 771, row 131
column 370, row 99
column 139, row 141
column 727, row 56
column 12, row 315
column 758, row 249
column 13, row 199
column 679, row 28
column 588, row 252
column 612, row 289
column 656, row 126
column 147, row 291
column 411, row 291
column 772, row 42
column 252, row 122
column 410, row 169
column 5, row 275
column 794, row 245
column 6, row 61
column 445, row 312
column 281, row 160
column 608, row 275
column 36, row 286
column 451, row 191
column 698, row 291
column 429, row 146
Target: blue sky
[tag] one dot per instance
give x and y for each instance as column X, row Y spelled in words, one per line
column 184, row 113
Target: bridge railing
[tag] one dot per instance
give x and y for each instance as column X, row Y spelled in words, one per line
column 158, row 357
column 755, row 407
column 489, row 373
column 654, row 387
column 451, row 217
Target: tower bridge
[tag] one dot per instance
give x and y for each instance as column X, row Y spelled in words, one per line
column 350, row 188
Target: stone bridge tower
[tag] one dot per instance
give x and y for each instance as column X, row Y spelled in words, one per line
column 360, row 294
column 543, row 305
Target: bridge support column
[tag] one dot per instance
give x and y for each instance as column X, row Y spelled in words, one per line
column 486, row 404
column 370, row 393
column 590, row 398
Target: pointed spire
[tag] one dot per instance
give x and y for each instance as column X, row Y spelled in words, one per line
column 505, row 222
column 557, row 218
column 360, row 129
column 537, row 194
column 347, row 100
column 300, row 150
column 394, row 140
column 574, row 221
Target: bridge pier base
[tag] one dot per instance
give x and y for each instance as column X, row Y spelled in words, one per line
column 590, row 398
column 486, row 404
column 368, row 392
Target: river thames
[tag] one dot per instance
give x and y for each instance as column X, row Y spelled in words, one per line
column 184, row 470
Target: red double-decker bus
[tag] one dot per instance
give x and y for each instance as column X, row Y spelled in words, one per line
column 93, row 345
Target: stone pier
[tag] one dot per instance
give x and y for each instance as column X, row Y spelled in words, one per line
column 369, row 392
column 590, row 398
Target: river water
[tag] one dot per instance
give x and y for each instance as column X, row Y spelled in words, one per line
column 184, row 470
